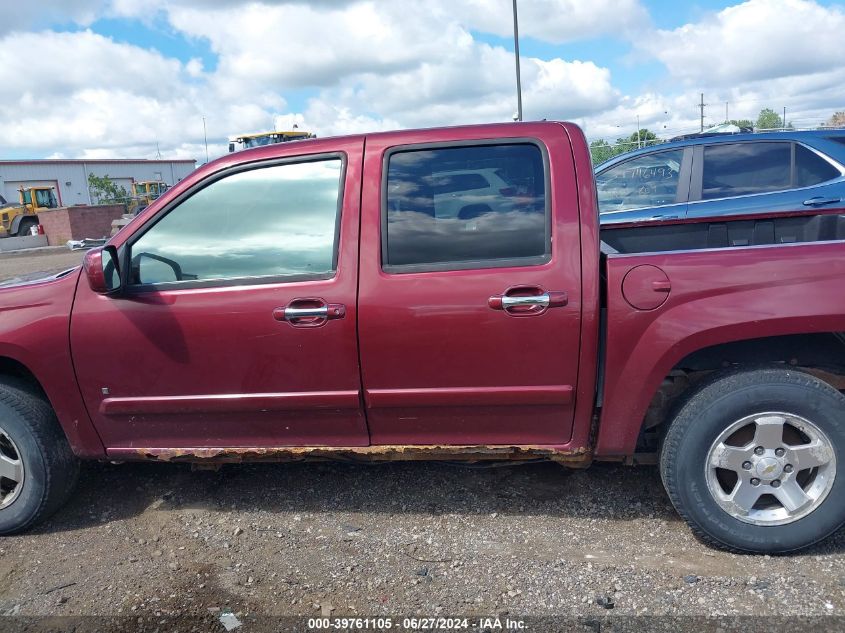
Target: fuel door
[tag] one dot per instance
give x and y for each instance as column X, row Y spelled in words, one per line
column 646, row 287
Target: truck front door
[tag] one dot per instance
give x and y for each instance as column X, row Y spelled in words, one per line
column 469, row 321
column 237, row 323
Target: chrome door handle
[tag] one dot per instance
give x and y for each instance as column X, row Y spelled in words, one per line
column 300, row 313
column 819, row 201
column 310, row 312
column 515, row 302
column 541, row 301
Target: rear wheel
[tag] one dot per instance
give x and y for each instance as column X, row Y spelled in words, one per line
column 37, row 467
column 750, row 460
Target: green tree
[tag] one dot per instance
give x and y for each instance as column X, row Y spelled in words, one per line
column 645, row 138
column 601, row 150
column 742, row 123
column 106, row 191
column 769, row 120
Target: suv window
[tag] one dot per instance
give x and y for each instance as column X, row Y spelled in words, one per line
column 811, row 169
column 434, row 227
column 647, row 181
column 457, row 183
column 738, row 169
column 269, row 221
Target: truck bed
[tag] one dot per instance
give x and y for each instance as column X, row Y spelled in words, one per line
column 711, row 296
column 721, row 232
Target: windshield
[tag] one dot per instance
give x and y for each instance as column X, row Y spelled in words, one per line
column 44, row 198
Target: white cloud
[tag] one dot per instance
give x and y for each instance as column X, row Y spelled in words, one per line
column 354, row 66
column 752, row 41
column 413, row 64
column 375, row 66
column 555, row 21
column 16, row 15
column 109, row 97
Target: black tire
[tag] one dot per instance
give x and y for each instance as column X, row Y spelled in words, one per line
column 25, row 227
column 707, row 413
column 50, row 467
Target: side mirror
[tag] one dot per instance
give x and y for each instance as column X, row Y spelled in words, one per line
column 231, row 147
column 101, row 270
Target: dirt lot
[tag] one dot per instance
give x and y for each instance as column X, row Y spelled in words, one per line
column 157, row 540
column 37, row 262
column 413, row 538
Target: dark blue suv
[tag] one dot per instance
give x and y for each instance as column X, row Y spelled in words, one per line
column 725, row 174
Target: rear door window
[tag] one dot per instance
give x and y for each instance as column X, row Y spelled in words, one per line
column 464, row 207
column 739, row 169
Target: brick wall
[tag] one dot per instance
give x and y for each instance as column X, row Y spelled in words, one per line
column 76, row 223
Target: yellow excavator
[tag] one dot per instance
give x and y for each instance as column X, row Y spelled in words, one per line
column 17, row 219
column 248, row 141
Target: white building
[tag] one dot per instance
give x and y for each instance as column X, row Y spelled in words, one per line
column 70, row 177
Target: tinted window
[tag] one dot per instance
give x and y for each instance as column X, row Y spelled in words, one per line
column 277, row 220
column 811, row 169
column 738, row 169
column 647, row 181
column 498, row 214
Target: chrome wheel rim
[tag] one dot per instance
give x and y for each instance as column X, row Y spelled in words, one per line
column 770, row 468
column 11, row 470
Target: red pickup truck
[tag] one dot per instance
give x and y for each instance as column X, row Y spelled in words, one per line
column 440, row 294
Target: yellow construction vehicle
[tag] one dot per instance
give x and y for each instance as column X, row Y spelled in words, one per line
column 18, row 219
column 144, row 192
column 248, row 141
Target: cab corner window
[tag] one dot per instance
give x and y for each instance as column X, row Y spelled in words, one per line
column 274, row 221
column 646, row 181
column 464, row 207
column 811, row 169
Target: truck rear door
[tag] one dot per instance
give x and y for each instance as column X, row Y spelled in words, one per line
column 470, row 287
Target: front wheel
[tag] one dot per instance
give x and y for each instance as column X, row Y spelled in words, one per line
column 37, row 467
column 25, row 228
column 750, row 460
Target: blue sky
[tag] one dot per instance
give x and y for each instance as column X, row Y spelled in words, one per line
column 138, row 76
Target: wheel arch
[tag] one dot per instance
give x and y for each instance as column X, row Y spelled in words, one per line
column 821, row 354
column 18, row 220
column 79, row 433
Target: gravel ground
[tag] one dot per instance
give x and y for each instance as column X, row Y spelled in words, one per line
column 35, row 263
column 335, row 539
column 401, row 538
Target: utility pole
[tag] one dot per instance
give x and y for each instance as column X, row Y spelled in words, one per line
column 638, row 132
column 205, row 136
column 727, row 118
column 701, row 105
column 784, row 117
column 516, row 54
